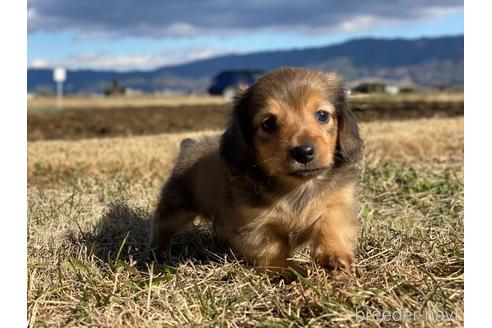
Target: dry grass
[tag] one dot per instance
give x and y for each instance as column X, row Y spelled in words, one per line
column 457, row 96
column 90, row 201
column 150, row 157
column 46, row 103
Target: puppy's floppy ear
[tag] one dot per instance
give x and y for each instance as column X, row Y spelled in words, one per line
column 349, row 142
column 235, row 145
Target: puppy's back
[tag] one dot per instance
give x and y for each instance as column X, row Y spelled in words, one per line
column 196, row 175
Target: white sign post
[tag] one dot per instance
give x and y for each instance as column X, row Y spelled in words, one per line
column 59, row 75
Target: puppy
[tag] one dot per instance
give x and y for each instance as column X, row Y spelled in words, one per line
column 284, row 173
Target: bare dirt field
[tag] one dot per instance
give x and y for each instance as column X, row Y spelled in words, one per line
column 113, row 117
column 90, row 200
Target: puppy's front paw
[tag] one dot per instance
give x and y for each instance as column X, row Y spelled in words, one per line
column 335, row 259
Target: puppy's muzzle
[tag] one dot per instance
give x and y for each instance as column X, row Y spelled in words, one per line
column 303, row 153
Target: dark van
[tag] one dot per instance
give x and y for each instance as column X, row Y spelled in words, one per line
column 227, row 83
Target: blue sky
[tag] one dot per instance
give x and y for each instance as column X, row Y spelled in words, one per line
column 168, row 33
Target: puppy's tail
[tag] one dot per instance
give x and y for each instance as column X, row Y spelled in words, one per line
column 185, row 158
column 185, row 148
column 186, row 144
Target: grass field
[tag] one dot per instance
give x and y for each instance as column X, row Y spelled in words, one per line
column 90, row 200
column 49, row 103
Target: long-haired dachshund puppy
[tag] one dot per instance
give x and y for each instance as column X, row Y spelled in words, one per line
column 283, row 173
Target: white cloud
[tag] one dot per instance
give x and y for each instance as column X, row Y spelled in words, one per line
column 38, row 63
column 139, row 61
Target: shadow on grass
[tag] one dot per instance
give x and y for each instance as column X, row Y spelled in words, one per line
column 123, row 232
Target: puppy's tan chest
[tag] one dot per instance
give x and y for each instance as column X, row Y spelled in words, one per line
column 290, row 214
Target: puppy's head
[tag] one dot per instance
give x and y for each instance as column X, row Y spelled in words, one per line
column 292, row 123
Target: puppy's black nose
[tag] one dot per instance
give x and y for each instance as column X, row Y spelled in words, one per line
column 303, row 153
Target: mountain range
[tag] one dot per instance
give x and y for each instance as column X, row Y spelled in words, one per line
column 429, row 62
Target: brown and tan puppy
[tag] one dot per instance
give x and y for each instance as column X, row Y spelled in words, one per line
column 283, row 173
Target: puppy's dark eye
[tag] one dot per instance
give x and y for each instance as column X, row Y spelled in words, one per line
column 269, row 125
column 322, row 116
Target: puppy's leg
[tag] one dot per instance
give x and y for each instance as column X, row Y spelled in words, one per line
column 173, row 213
column 334, row 238
column 269, row 251
column 165, row 224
